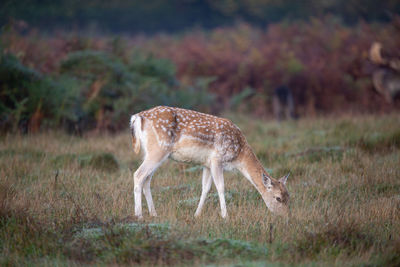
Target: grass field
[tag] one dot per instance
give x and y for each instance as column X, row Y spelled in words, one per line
column 68, row 200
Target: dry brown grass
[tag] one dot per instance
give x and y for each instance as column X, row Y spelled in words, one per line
column 345, row 195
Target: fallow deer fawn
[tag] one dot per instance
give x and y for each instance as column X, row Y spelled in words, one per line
column 215, row 143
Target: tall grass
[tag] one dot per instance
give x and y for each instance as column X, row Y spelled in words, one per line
column 67, row 199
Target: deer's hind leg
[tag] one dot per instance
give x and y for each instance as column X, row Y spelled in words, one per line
column 149, row 198
column 156, row 144
column 142, row 179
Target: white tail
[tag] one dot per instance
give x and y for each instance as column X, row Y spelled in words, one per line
column 215, row 143
column 138, row 126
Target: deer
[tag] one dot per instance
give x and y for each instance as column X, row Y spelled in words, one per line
column 386, row 78
column 215, row 143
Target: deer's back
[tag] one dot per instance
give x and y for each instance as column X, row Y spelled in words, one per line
column 194, row 136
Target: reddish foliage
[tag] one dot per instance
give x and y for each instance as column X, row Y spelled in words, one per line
column 324, row 62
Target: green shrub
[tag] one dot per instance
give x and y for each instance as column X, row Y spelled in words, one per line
column 29, row 99
column 93, row 90
column 112, row 90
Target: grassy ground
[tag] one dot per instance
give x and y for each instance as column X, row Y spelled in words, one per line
column 68, row 200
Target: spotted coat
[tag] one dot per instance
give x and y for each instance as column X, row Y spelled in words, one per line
column 173, row 126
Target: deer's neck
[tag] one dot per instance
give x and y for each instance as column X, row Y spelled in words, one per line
column 252, row 168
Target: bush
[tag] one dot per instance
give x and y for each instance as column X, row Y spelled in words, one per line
column 112, row 90
column 28, row 99
column 93, row 90
column 99, row 81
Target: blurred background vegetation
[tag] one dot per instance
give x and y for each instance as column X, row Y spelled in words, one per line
column 152, row 16
column 87, row 66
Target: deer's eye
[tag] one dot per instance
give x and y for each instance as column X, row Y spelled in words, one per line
column 278, row 199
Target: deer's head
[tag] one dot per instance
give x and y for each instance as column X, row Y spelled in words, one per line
column 276, row 196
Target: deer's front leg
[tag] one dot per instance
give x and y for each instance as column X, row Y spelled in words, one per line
column 206, row 185
column 218, row 176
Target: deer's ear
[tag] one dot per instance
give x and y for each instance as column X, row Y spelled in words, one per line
column 284, row 178
column 266, row 180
